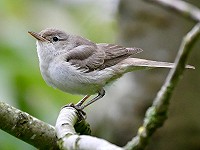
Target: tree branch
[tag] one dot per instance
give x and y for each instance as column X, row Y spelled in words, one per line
column 69, row 139
column 27, row 128
column 157, row 113
column 185, row 9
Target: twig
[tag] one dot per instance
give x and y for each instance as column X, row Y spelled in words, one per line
column 69, row 139
column 157, row 113
column 185, row 9
column 27, row 128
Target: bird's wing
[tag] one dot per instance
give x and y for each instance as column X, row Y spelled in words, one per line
column 100, row 56
column 86, row 57
column 115, row 53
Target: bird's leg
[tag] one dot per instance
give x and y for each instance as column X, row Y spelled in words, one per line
column 78, row 107
column 100, row 95
column 82, row 101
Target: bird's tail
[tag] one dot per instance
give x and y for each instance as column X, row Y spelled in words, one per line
column 131, row 64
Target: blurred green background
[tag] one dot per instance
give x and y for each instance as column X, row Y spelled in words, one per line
column 21, row 84
column 119, row 114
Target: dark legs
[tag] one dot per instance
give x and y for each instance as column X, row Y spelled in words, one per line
column 82, row 100
column 99, row 96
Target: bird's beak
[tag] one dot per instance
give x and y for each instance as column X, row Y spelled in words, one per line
column 37, row 36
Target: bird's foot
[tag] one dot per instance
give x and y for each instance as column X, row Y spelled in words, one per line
column 81, row 114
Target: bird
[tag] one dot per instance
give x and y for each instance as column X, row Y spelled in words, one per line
column 76, row 65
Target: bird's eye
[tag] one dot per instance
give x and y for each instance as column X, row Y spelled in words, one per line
column 55, row 39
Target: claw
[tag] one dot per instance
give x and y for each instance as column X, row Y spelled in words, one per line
column 81, row 114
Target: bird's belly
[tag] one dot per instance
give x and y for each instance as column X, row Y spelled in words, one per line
column 68, row 79
column 76, row 86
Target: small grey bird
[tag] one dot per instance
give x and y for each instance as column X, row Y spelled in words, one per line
column 76, row 65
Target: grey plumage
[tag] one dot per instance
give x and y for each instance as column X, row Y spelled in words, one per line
column 77, row 65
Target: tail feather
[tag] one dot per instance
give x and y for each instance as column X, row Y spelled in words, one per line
column 131, row 64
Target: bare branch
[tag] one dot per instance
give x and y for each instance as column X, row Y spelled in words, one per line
column 157, row 113
column 185, row 9
column 69, row 139
column 27, row 128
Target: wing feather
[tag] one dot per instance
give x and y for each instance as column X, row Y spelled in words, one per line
column 100, row 56
column 115, row 53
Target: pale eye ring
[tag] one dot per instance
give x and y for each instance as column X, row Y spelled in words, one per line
column 55, row 39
